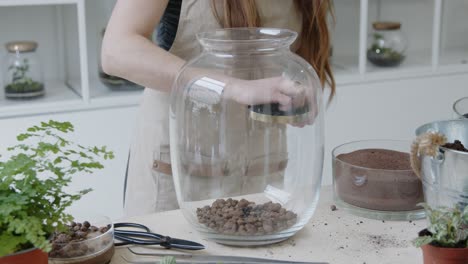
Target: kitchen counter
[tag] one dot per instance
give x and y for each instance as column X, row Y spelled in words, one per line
column 330, row 236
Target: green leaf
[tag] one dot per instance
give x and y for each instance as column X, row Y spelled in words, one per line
column 22, row 137
column 447, row 225
column 33, row 199
column 168, row 260
column 423, row 240
column 9, row 243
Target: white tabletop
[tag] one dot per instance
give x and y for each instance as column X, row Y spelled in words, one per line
column 330, row 236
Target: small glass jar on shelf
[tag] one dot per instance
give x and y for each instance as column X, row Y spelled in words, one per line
column 22, row 71
column 387, row 44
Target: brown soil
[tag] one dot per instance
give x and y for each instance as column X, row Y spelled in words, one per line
column 377, row 179
column 82, row 243
column 457, row 145
column 243, row 217
column 103, row 257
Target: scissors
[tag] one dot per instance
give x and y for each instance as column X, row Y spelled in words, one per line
column 145, row 237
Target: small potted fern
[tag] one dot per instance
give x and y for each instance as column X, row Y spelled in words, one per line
column 445, row 240
column 33, row 201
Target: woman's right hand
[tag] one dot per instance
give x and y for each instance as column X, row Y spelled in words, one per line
column 269, row 90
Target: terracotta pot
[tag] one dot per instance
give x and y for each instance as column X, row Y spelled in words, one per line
column 440, row 255
column 28, row 256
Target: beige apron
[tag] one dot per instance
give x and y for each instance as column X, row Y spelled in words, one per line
column 149, row 184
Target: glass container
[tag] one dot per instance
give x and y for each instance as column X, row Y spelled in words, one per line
column 114, row 83
column 387, row 44
column 22, row 71
column 460, row 108
column 374, row 179
column 97, row 246
column 247, row 171
column 444, row 176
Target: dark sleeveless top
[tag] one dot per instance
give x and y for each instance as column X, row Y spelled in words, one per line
column 167, row 28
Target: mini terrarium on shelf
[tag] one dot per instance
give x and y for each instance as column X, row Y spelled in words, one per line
column 387, row 44
column 23, row 77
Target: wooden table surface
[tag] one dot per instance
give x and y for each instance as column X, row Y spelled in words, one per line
column 330, row 236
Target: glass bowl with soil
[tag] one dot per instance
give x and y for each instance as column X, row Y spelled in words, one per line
column 374, row 179
column 460, row 108
column 386, row 45
column 22, row 71
column 246, row 173
column 87, row 242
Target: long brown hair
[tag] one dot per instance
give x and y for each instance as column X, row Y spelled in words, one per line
column 314, row 40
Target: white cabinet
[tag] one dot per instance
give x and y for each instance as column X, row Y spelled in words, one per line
column 69, row 37
column 68, row 34
column 436, row 30
column 454, row 34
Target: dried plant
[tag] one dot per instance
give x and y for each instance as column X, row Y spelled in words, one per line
column 425, row 144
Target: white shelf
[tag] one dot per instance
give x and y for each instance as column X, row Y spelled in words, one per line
column 456, row 56
column 57, row 96
column 415, row 65
column 430, row 59
column 349, row 60
column 103, row 96
column 413, row 62
column 36, row 2
column 100, row 91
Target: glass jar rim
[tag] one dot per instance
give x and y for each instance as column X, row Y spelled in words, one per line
column 249, row 37
column 351, row 143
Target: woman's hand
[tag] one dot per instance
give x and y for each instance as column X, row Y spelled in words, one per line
column 279, row 90
column 287, row 93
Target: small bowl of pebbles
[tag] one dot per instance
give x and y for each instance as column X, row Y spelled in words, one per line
column 87, row 242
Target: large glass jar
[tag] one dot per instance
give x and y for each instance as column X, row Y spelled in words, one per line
column 22, row 71
column 387, row 44
column 246, row 174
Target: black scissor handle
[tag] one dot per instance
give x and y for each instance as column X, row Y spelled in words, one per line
column 146, row 237
column 134, row 225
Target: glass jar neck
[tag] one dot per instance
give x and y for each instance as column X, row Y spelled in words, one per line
column 247, row 40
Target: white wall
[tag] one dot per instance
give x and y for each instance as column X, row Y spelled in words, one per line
column 112, row 128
